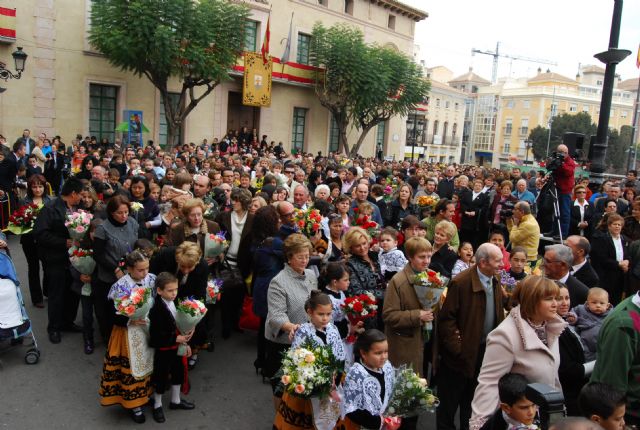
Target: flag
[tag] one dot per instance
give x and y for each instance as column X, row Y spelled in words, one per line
column 638, row 58
column 7, row 24
column 287, row 48
column 265, row 43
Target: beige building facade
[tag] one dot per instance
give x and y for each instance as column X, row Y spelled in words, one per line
column 507, row 112
column 68, row 88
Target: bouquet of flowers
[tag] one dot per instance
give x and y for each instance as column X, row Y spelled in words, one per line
column 214, row 287
column 359, row 308
column 78, row 224
column 215, row 244
column 507, row 281
column 23, row 219
column 365, row 222
column 426, row 202
column 189, row 312
column 430, row 287
column 309, row 370
column 410, row 395
column 83, row 262
column 134, row 303
column 391, row 186
column 308, row 222
column 136, row 206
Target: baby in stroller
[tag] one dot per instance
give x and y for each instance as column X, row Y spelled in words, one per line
column 15, row 324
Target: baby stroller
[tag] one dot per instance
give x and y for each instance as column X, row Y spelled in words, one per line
column 15, row 325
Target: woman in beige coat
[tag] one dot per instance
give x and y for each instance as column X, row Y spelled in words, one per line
column 526, row 342
column 37, row 151
column 403, row 315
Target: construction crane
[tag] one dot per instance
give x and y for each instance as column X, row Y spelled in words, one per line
column 497, row 54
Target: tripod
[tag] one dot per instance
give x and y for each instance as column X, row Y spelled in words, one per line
column 549, row 189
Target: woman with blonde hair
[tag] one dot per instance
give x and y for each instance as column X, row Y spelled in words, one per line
column 526, row 342
column 444, row 258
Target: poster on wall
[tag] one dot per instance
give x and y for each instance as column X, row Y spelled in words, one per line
column 134, row 118
column 256, row 88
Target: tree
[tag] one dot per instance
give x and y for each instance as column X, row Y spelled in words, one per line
column 561, row 124
column 618, row 149
column 538, row 137
column 360, row 84
column 197, row 42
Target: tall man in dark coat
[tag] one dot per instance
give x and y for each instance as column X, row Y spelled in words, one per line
column 582, row 268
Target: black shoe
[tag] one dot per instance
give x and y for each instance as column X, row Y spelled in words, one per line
column 185, row 405
column 73, row 328
column 55, row 337
column 191, row 363
column 211, row 347
column 158, row 415
column 88, row 347
column 137, row 418
column 258, row 365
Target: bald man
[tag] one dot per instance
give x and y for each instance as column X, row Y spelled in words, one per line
column 565, row 182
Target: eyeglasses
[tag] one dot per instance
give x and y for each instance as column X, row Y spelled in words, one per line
column 289, row 172
column 288, row 214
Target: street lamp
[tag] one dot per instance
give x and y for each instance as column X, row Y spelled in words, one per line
column 19, row 58
column 527, row 146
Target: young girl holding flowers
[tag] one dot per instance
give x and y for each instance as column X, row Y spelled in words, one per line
column 117, row 384
column 368, row 385
column 320, row 331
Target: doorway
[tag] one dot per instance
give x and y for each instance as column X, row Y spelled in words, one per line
column 239, row 115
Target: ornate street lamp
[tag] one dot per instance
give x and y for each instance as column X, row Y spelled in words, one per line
column 19, row 58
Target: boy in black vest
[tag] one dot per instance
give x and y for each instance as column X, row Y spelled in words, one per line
column 168, row 367
column 516, row 411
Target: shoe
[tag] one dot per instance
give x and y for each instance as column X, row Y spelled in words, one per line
column 158, row 415
column 191, row 363
column 226, row 333
column 88, row 347
column 138, row 418
column 258, row 365
column 185, row 405
column 39, row 305
column 211, row 346
column 73, row 328
column 55, row 337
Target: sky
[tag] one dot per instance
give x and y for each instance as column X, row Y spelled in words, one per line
column 567, row 32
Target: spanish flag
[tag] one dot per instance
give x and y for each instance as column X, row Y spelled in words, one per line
column 7, row 23
column 265, row 43
column 638, row 58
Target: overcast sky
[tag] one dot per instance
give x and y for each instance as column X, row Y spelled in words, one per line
column 568, row 32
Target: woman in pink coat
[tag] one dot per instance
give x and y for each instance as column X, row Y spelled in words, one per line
column 526, row 342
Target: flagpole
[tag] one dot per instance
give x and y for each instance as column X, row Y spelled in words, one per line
column 634, row 140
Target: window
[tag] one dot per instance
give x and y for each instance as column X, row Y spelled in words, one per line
column 323, row 2
column 103, row 100
column 623, row 114
column 510, row 104
column 297, row 130
column 454, row 130
column 554, row 109
column 447, row 104
column 507, row 147
column 508, row 126
column 348, row 7
column 524, row 126
column 437, row 102
column 382, row 128
column 456, row 106
column 304, row 40
column 392, row 22
column 599, row 82
column 573, row 107
column 423, row 134
column 445, row 129
column 175, row 99
column 334, row 135
column 436, row 123
column 251, row 36
column 585, row 108
column 526, row 104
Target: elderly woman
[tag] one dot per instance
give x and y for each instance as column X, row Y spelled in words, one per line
column 256, row 203
column 401, row 206
column 288, row 291
column 237, row 224
column 502, row 203
column 526, row 342
column 444, row 210
column 403, row 315
column 574, row 371
column 322, row 192
column 610, row 257
column 334, row 239
column 362, row 263
column 194, row 228
column 149, row 216
column 112, row 241
column 444, row 258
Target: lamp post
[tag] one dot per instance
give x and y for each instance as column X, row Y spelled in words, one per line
column 19, row 58
column 527, row 147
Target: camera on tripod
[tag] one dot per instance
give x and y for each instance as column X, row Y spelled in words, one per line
column 554, row 161
column 550, row 403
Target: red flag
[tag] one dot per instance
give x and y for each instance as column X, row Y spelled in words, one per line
column 638, row 58
column 265, row 43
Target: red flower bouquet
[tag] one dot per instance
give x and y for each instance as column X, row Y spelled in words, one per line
column 23, row 219
column 359, row 308
column 365, row 222
column 308, row 222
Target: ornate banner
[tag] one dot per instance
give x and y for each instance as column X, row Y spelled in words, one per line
column 256, row 89
column 7, row 25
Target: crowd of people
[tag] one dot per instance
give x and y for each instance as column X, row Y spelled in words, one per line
column 514, row 311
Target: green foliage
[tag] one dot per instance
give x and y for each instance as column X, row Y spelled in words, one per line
column 539, row 136
column 561, row 124
column 196, row 41
column 362, row 84
column 618, row 149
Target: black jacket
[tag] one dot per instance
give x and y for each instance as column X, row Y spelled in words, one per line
column 589, row 217
column 587, row 275
column 8, row 172
column 397, row 213
column 496, row 422
column 603, row 258
column 162, row 326
column 50, row 233
column 196, row 283
column 479, row 205
column 578, row 291
column 443, row 260
column 445, row 188
column 571, row 371
column 622, row 207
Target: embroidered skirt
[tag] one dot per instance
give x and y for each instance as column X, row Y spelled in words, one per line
column 117, row 384
column 294, row 413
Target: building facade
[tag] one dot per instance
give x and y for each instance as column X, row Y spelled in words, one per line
column 506, row 113
column 68, row 88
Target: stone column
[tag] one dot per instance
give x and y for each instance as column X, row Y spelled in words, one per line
column 44, row 58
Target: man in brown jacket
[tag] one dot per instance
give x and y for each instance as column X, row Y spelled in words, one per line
column 472, row 309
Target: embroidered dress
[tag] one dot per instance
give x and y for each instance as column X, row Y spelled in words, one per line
column 118, row 386
column 391, row 261
column 341, row 323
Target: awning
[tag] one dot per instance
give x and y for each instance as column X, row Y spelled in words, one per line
column 484, row 154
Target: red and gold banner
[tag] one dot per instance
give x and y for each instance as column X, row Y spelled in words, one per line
column 289, row 71
column 7, row 24
column 256, row 89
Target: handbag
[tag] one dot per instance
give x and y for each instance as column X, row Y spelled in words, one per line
column 231, row 278
column 248, row 319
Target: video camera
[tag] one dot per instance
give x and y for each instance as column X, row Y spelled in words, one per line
column 550, row 403
column 554, row 161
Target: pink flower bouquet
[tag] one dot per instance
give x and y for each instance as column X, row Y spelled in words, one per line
column 214, row 291
column 78, row 224
column 189, row 312
column 135, row 304
column 215, row 244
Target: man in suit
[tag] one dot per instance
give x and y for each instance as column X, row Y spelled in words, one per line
column 9, row 170
column 28, row 141
column 446, row 185
column 53, row 168
column 558, row 260
column 472, row 309
column 622, row 206
column 581, row 268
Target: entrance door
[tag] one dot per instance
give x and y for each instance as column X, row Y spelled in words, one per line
column 239, row 115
